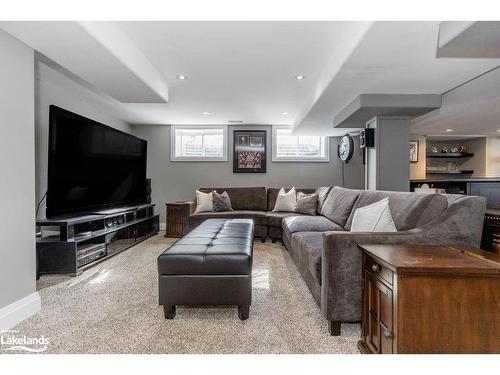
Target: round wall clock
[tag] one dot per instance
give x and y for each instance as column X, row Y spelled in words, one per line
column 346, row 148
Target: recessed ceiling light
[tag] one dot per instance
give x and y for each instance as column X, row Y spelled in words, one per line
column 299, row 77
column 284, row 113
column 449, row 130
column 182, row 77
column 205, row 113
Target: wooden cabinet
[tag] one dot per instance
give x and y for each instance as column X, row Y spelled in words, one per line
column 379, row 315
column 430, row 299
column 491, row 231
column 175, row 212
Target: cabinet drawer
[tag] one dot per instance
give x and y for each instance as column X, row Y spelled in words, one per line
column 378, row 270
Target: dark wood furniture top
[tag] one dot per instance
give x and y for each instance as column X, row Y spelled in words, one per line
column 430, row 299
column 465, row 179
column 404, row 259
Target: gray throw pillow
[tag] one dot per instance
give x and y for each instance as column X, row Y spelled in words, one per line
column 306, row 203
column 322, row 192
column 221, row 202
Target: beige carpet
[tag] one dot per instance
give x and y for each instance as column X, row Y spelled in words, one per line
column 113, row 308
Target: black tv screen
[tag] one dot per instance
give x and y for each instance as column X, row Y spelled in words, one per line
column 92, row 166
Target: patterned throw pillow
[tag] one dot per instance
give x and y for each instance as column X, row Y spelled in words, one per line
column 221, row 202
column 306, row 203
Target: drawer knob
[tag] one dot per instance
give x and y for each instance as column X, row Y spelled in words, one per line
column 375, row 267
column 387, row 334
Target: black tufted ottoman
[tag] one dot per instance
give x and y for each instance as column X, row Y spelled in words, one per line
column 211, row 265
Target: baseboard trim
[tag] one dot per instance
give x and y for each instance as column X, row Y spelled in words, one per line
column 16, row 312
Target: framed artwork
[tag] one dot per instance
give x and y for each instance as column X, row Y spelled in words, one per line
column 413, row 151
column 249, row 151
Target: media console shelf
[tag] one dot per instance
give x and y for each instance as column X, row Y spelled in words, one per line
column 68, row 246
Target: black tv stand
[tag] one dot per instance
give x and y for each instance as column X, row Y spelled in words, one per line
column 70, row 245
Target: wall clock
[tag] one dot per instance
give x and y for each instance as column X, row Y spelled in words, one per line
column 346, row 148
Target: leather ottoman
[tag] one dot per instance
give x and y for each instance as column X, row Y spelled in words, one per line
column 211, row 265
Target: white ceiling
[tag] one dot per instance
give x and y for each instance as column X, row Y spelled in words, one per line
column 246, row 70
column 393, row 58
column 471, row 109
column 240, row 70
column 99, row 53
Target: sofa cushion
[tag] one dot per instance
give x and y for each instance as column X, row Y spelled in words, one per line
column 407, row 209
column 275, row 219
column 308, row 251
column 221, row 202
column 306, row 203
column 244, row 198
column 285, row 202
column 204, row 202
column 259, row 217
column 339, row 203
column 375, row 217
column 272, row 194
column 322, row 192
column 293, row 224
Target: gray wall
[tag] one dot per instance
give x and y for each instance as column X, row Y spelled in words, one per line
column 17, row 194
column 54, row 87
column 388, row 163
column 178, row 180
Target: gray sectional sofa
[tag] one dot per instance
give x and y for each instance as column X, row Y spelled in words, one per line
column 325, row 250
column 254, row 203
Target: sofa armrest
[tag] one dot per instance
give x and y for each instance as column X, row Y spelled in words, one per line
column 341, row 274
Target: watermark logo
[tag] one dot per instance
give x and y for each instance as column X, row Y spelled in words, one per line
column 11, row 341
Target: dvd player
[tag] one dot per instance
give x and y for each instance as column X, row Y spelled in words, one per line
column 90, row 253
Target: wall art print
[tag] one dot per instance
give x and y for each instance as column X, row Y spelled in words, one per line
column 249, row 151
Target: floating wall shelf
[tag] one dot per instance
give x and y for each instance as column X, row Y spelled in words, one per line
column 450, row 155
column 449, row 172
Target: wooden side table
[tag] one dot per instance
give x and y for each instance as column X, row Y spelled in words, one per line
column 430, row 299
column 175, row 211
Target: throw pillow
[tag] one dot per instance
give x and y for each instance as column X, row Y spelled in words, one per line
column 322, row 192
column 306, row 203
column 375, row 217
column 203, row 202
column 285, row 202
column 221, row 202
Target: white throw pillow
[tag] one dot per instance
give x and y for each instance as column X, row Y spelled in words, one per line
column 285, row 202
column 375, row 217
column 204, row 202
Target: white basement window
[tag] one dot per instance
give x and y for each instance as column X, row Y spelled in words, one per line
column 198, row 143
column 288, row 147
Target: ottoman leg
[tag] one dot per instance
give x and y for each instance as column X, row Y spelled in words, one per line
column 169, row 311
column 243, row 312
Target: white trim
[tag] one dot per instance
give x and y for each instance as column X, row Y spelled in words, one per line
column 201, row 158
column 20, row 310
column 301, row 159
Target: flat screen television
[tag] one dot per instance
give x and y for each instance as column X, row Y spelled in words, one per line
column 92, row 166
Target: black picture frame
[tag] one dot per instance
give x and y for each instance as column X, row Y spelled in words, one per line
column 414, row 151
column 249, row 151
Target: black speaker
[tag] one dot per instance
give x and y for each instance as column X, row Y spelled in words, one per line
column 148, row 190
column 367, row 138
